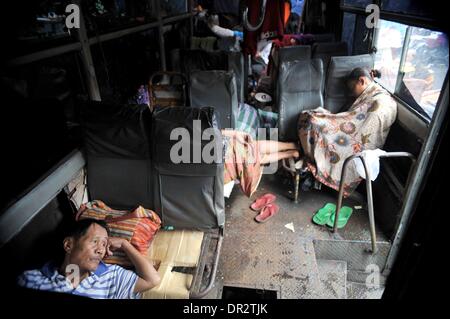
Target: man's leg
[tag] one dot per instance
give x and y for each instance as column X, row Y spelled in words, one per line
column 275, row 157
column 269, row 147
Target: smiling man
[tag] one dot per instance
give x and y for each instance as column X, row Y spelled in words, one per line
column 82, row 271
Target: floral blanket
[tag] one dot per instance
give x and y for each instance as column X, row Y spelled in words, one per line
column 328, row 139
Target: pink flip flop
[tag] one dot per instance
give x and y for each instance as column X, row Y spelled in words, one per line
column 267, row 212
column 264, row 200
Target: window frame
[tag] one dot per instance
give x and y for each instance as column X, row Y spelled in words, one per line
column 413, row 106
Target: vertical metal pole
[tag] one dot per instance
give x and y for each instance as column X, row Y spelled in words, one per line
column 373, row 234
column 86, row 60
column 162, row 49
column 191, row 19
column 401, row 74
column 296, row 186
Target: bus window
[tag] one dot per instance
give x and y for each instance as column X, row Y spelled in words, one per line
column 425, row 68
column 413, row 62
column 173, row 7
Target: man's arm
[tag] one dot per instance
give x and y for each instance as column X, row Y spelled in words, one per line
column 148, row 276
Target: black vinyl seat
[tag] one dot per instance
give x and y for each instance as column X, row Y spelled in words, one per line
column 299, row 88
column 188, row 61
column 118, row 154
column 287, row 54
column 336, row 91
column 188, row 195
column 216, row 89
column 325, row 51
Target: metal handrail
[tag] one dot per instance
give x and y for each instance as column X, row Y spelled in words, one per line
column 204, row 292
column 373, row 236
column 247, row 24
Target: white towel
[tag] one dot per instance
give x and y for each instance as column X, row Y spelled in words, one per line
column 372, row 159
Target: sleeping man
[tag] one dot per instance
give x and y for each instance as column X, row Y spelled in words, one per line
column 82, row 271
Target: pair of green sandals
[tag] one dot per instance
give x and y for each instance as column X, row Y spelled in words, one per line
column 327, row 214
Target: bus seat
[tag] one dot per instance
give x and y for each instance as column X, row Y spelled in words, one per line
column 325, row 51
column 170, row 249
column 299, row 88
column 118, row 154
column 286, row 54
column 295, row 52
column 187, row 61
column 336, row 91
column 216, row 89
column 236, row 65
column 188, row 194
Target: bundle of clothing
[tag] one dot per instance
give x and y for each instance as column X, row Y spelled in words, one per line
column 275, row 18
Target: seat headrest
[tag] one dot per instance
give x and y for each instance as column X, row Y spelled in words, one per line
column 116, row 130
column 293, row 53
column 340, row 67
column 336, row 91
column 301, row 76
column 217, row 89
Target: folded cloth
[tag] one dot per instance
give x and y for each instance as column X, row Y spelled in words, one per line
column 372, row 159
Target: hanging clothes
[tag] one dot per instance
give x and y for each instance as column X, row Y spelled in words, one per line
column 272, row 27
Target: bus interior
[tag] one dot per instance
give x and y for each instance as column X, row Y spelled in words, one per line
column 66, row 143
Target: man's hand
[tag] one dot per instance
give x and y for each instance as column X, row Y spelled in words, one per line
column 148, row 276
column 114, row 244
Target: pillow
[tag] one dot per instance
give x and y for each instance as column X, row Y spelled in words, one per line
column 137, row 227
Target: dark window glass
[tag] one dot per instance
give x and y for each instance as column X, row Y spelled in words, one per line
column 410, row 7
column 173, row 7
column 358, row 3
column 38, row 125
column 348, row 29
column 103, row 16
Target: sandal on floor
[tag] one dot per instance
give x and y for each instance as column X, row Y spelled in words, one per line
column 344, row 216
column 267, row 212
column 262, row 201
column 323, row 215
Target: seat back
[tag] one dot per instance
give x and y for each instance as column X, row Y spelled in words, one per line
column 336, row 92
column 236, row 65
column 325, row 51
column 294, row 53
column 216, row 89
column 187, row 61
column 286, row 54
column 189, row 193
column 118, row 154
column 299, row 88
column 193, row 60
